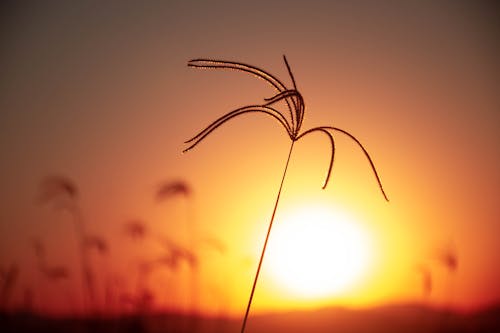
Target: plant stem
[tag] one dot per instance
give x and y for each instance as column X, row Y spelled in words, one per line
column 265, row 242
column 193, row 266
column 87, row 277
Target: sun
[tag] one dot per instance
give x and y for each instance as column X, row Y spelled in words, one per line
column 317, row 252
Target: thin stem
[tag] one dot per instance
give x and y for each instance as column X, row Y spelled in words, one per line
column 265, row 242
column 193, row 266
column 88, row 279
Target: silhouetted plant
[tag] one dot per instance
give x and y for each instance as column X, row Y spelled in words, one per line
column 168, row 189
column 165, row 191
column 177, row 253
column 39, row 249
column 220, row 286
column 59, row 191
column 144, row 269
column 136, row 229
column 425, row 276
column 62, row 193
column 144, row 302
column 448, row 258
column 98, row 243
column 112, row 287
column 171, row 259
column 53, row 273
column 8, row 280
column 426, row 279
column 291, row 122
column 28, row 300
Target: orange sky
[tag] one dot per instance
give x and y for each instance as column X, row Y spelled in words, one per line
column 101, row 93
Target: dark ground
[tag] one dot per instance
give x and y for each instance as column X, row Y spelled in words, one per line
column 386, row 319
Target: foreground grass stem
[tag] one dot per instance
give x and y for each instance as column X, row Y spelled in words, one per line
column 266, row 240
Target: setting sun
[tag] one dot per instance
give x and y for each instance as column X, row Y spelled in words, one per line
column 316, row 252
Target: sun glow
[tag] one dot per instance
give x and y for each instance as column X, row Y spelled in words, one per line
column 316, row 252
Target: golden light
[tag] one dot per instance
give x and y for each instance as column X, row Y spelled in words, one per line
column 316, row 252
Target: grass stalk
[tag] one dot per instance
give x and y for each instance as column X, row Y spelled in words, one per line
column 265, row 241
column 291, row 121
column 63, row 194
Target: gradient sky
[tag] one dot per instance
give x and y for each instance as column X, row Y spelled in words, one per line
column 100, row 92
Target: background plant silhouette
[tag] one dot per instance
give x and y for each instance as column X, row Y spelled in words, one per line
column 135, row 229
column 165, row 191
column 52, row 272
column 447, row 257
column 291, row 121
column 8, row 280
column 426, row 281
column 62, row 193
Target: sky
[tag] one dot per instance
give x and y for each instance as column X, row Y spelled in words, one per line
column 100, row 92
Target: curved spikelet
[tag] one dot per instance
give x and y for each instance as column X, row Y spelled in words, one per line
column 247, row 109
column 177, row 252
column 259, row 73
column 223, row 64
column 171, row 188
column 366, row 154
column 57, row 189
column 298, row 105
column 99, row 243
column 299, row 123
column 136, row 229
column 332, row 156
column 448, row 258
column 250, row 108
column 290, row 72
column 282, row 95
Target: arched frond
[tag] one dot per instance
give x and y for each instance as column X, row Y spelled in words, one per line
column 332, row 156
column 136, row 229
column 96, row 242
column 247, row 109
column 56, row 187
column 366, row 154
column 250, row 108
column 223, row 64
column 259, row 73
column 171, row 188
